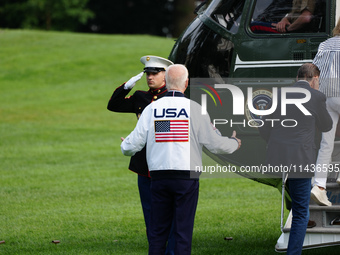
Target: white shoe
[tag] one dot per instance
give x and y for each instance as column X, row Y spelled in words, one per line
column 320, row 196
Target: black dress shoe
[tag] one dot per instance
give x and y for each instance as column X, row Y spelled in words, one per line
column 336, row 221
column 311, row 224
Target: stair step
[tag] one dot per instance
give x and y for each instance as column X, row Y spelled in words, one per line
column 328, row 230
column 324, row 208
column 332, row 185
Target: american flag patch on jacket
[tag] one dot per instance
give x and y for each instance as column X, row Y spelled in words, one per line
column 171, row 131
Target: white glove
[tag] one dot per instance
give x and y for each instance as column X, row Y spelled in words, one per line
column 132, row 82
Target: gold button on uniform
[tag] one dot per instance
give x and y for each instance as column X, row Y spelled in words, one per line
column 155, row 97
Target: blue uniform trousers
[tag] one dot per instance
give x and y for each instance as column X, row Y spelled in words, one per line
column 299, row 190
column 173, row 201
column 144, row 186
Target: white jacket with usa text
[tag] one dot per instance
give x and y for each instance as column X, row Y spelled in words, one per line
column 174, row 131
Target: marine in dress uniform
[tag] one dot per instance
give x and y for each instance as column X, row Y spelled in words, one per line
column 155, row 70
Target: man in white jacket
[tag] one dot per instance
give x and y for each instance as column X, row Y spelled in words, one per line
column 174, row 132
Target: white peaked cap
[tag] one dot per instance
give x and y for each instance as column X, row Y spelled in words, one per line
column 155, row 64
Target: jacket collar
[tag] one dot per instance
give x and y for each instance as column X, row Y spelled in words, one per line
column 174, row 93
column 158, row 91
column 302, row 83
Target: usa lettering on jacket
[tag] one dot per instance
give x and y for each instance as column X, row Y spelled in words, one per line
column 170, row 113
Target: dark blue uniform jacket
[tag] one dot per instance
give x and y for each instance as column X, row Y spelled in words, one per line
column 135, row 104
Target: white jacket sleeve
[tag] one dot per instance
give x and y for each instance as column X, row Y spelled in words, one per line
column 214, row 142
column 136, row 140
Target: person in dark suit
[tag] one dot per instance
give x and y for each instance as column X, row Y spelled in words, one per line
column 154, row 67
column 291, row 145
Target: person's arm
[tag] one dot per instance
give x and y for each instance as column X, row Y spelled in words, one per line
column 323, row 120
column 281, row 26
column 304, row 19
column 213, row 141
column 285, row 25
column 118, row 101
column 136, row 140
column 319, row 59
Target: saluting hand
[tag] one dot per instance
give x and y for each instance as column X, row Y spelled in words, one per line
column 132, row 82
column 238, row 140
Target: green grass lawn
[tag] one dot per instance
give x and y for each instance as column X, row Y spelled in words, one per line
column 62, row 174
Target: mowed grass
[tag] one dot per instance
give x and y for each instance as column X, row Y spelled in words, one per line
column 62, row 174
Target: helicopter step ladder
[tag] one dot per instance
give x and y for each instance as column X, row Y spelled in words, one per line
column 327, row 218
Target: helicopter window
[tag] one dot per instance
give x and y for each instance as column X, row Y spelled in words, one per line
column 288, row 16
column 227, row 13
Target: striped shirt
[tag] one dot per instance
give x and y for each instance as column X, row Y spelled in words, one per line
column 328, row 61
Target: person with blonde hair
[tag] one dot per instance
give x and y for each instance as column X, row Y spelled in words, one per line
column 327, row 60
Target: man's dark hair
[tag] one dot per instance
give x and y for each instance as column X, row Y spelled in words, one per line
column 307, row 72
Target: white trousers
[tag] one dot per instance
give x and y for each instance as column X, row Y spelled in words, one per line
column 327, row 143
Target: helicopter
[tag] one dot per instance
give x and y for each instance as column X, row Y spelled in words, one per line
column 232, row 46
